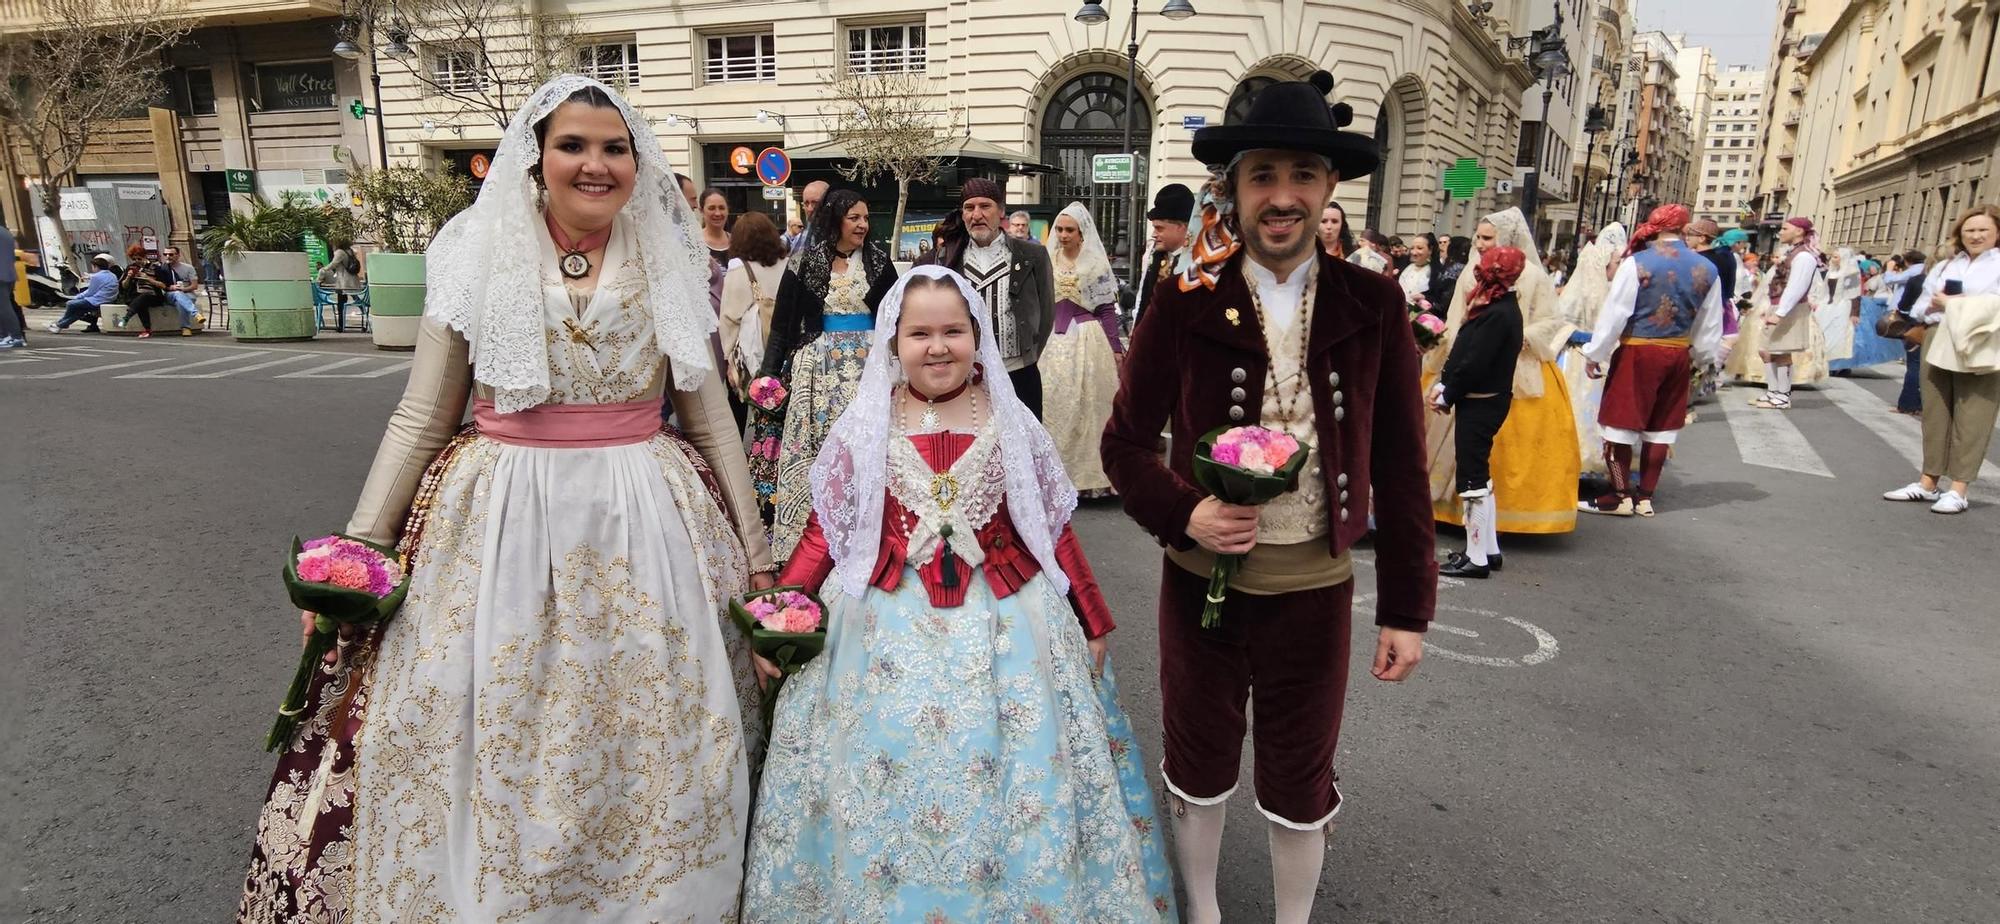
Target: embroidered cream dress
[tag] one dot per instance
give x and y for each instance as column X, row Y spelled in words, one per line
column 552, row 728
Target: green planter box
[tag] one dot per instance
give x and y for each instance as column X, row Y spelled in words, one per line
column 395, row 299
column 270, row 298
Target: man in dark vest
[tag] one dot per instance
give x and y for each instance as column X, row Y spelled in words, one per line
column 1263, row 328
column 1652, row 352
column 1013, row 276
column 1172, row 206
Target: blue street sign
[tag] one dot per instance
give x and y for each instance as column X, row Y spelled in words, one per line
column 1193, row 122
column 773, row 166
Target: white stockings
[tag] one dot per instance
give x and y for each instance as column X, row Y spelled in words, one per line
column 1198, row 846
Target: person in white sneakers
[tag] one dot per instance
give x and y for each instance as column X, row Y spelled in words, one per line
column 1960, row 304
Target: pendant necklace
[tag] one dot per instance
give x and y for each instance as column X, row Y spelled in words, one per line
column 575, row 261
column 929, row 422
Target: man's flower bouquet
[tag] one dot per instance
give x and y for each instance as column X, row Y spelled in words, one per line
column 1247, row 466
column 768, row 393
column 787, row 626
column 343, row 582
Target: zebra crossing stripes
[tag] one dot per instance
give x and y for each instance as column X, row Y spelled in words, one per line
column 1903, row 434
column 169, row 361
column 326, row 371
column 1768, row 439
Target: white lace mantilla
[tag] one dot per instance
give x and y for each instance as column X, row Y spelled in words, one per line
column 954, row 504
column 488, row 269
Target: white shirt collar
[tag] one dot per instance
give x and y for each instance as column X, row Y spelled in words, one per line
column 1266, row 279
column 989, row 254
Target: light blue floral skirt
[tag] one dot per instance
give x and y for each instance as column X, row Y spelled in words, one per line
column 955, row 765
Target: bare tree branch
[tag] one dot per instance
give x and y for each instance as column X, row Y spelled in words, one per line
column 89, row 66
column 887, row 123
column 508, row 52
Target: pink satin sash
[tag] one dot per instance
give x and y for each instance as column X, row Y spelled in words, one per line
column 570, row 426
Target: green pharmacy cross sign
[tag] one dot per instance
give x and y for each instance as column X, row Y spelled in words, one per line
column 1464, row 178
column 359, row 110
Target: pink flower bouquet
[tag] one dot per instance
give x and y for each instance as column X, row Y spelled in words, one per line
column 1248, row 466
column 343, row 581
column 768, row 393
column 1426, row 327
column 787, row 626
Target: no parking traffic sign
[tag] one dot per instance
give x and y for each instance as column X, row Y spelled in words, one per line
column 773, row 166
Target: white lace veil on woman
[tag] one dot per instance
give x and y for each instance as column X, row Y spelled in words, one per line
column 1591, row 280
column 486, row 281
column 851, row 476
column 1093, row 266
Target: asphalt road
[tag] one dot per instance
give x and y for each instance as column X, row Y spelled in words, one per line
column 1774, row 702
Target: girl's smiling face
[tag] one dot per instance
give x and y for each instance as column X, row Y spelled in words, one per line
column 935, row 337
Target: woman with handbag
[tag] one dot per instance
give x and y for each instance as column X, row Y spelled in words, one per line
column 1900, row 287
column 1960, row 305
column 752, row 282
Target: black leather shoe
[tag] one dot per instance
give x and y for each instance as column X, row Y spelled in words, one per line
column 1462, row 567
column 1493, row 562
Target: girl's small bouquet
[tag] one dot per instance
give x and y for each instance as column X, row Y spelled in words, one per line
column 787, row 625
column 1247, row 466
column 1426, row 326
column 768, row 393
column 344, row 582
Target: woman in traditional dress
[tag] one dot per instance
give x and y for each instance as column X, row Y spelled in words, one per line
column 1080, row 364
column 1535, row 462
column 819, row 342
column 1578, row 302
column 749, row 299
column 1841, row 311
column 552, row 728
column 957, row 752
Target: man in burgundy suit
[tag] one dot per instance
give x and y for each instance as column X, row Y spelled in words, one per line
column 1264, row 329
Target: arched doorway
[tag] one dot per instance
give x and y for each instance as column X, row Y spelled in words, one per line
column 1379, row 183
column 1086, row 117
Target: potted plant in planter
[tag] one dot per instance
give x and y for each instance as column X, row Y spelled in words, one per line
column 264, row 268
column 404, row 207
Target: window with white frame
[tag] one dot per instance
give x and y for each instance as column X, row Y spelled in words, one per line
column 889, row 49
column 614, row 63
column 457, row 70
column 740, row 57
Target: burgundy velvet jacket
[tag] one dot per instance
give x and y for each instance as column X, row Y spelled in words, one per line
column 1191, row 366
column 1008, row 567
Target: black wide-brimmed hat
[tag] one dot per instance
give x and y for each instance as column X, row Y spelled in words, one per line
column 1173, row 202
column 1293, row 116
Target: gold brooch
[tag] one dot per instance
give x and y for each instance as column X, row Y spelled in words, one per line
column 1235, row 317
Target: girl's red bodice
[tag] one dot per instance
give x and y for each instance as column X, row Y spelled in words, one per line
column 1008, row 567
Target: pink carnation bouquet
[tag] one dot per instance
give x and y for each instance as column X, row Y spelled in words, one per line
column 1247, row 466
column 1428, row 328
column 768, row 393
column 787, row 625
column 342, row 581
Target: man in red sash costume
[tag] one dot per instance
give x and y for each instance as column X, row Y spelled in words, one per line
column 1261, row 328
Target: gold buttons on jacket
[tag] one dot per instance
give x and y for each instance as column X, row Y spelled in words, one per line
column 1236, row 412
column 1238, row 394
column 1239, row 376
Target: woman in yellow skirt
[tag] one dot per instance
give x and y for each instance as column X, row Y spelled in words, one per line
column 1535, row 462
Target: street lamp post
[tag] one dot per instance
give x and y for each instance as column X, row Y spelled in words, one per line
column 1093, row 13
column 1548, row 55
column 346, row 48
column 1592, row 124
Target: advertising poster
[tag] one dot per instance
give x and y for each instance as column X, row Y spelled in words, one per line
column 913, row 240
